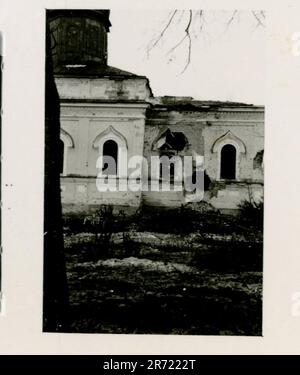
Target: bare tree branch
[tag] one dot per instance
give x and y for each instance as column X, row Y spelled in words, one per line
column 191, row 33
column 231, row 19
column 202, row 19
column 199, row 22
column 162, row 33
column 177, row 45
column 186, row 35
column 187, row 30
column 259, row 21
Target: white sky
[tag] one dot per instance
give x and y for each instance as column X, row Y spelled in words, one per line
column 226, row 63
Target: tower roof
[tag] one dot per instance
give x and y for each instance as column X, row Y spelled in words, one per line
column 94, row 70
column 78, row 38
column 101, row 15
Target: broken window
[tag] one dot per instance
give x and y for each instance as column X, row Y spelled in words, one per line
column 258, row 160
column 171, row 141
column 228, row 162
column 110, row 157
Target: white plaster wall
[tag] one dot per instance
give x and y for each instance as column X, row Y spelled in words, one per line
column 84, row 122
column 135, row 88
column 249, row 128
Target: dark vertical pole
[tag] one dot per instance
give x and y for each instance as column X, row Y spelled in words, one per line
column 55, row 301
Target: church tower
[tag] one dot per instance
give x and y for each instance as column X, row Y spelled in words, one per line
column 102, row 112
column 78, row 40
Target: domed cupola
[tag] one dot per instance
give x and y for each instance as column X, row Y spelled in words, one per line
column 78, row 38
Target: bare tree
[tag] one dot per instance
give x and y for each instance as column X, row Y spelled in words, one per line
column 55, row 302
column 193, row 23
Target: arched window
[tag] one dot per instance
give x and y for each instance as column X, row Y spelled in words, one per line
column 61, row 156
column 228, row 162
column 66, row 142
column 230, row 152
column 112, row 144
column 110, row 157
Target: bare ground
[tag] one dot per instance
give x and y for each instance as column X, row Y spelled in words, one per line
column 165, row 283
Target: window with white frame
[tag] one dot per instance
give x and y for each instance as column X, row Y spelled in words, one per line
column 66, row 142
column 112, row 146
column 228, row 149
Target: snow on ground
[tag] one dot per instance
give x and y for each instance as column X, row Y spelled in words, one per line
column 147, row 264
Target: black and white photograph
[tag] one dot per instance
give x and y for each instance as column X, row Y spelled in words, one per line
column 154, row 171
column 149, row 187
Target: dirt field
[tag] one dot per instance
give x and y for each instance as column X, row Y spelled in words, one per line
column 157, row 282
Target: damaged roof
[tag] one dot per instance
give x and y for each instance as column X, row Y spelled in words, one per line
column 93, row 70
column 188, row 103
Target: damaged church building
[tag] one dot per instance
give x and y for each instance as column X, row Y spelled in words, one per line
column 106, row 111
